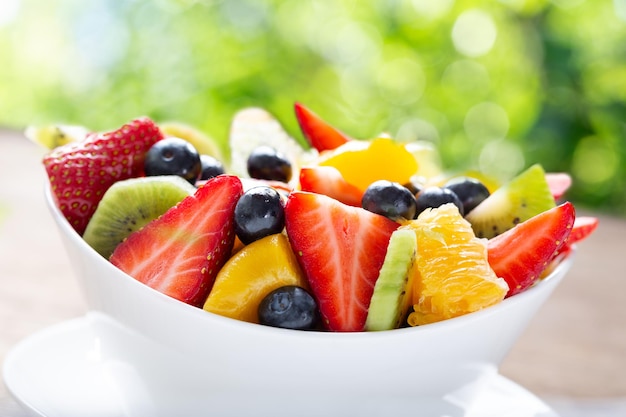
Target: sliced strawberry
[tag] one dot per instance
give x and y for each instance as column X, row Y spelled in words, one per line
column 520, row 254
column 180, row 253
column 80, row 172
column 329, row 181
column 317, row 132
column 583, row 227
column 341, row 250
column 282, row 187
column 558, row 183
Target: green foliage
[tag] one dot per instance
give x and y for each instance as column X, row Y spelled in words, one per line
column 496, row 86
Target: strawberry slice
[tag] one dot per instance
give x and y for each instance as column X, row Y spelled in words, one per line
column 341, row 250
column 80, row 172
column 520, row 254
column 583, row 227
column 329, row 181
column 558, row 183
column 317, row 132
column 180, row 253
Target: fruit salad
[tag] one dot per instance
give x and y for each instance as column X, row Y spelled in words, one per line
column 342, row 235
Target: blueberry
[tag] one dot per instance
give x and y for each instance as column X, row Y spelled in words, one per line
column 389, row 199
column 289, row 307
column 259, row 213
column 173, row 156
column 211, row 167
column 432, row 197
column 266, row 163
column 470, row 191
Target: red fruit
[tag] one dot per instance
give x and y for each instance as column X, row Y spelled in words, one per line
column 329, row 181
column 80, row 172
column 180, row 253
column 317, row 132
column 520, row 254
column 583, row 227
column 341, row 250
column 558, row 183
column 281, row 187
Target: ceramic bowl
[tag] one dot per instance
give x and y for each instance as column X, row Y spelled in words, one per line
column 238, row 366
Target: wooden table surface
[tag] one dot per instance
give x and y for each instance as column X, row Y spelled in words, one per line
column 574, row 349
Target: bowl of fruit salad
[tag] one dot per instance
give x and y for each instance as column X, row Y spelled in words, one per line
column 331, row 278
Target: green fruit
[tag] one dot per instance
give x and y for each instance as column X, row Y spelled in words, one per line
column 129, row 205
column 204, row 144
column 523, row 197
column 392, row 291
column 53, row 136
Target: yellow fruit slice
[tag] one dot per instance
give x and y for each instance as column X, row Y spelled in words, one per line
column 454, row 274
column 491, row 183
column 363, row 162
column 251, row 274
column 53, row 136
column 203, row 143
column 429, row 163
column 440, row 180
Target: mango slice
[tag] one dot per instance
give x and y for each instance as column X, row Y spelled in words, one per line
column 251, row 274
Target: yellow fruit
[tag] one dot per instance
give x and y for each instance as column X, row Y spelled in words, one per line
column 427, row 157
column 251, row 274
column 363, row 162
column 491, row 183
column 203, row 143
column 454, row 277
column 440, row 180
column 53, row 136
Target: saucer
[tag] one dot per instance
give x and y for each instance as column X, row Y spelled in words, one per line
column 73, row 369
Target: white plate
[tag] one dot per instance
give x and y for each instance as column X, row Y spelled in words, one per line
column 71, row 369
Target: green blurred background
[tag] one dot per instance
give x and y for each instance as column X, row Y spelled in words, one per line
column 496, row 85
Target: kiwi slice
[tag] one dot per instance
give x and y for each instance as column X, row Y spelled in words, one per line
column 129, row 205
column 391, row 299
column 523, row 197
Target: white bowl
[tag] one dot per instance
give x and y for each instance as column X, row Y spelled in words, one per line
column 258, row 367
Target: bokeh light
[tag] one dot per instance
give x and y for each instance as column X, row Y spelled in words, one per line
column 432, row 10
column 474, row 33
column 401, row 81
column 595, row 163
column 486, row 122
column 467, row 77
column 501, row 159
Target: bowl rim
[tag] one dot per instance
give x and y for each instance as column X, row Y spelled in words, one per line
column 564, row 263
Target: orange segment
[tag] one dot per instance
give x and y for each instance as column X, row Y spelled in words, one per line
column 363, row 162
column 251, row 274
column 454, row 276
